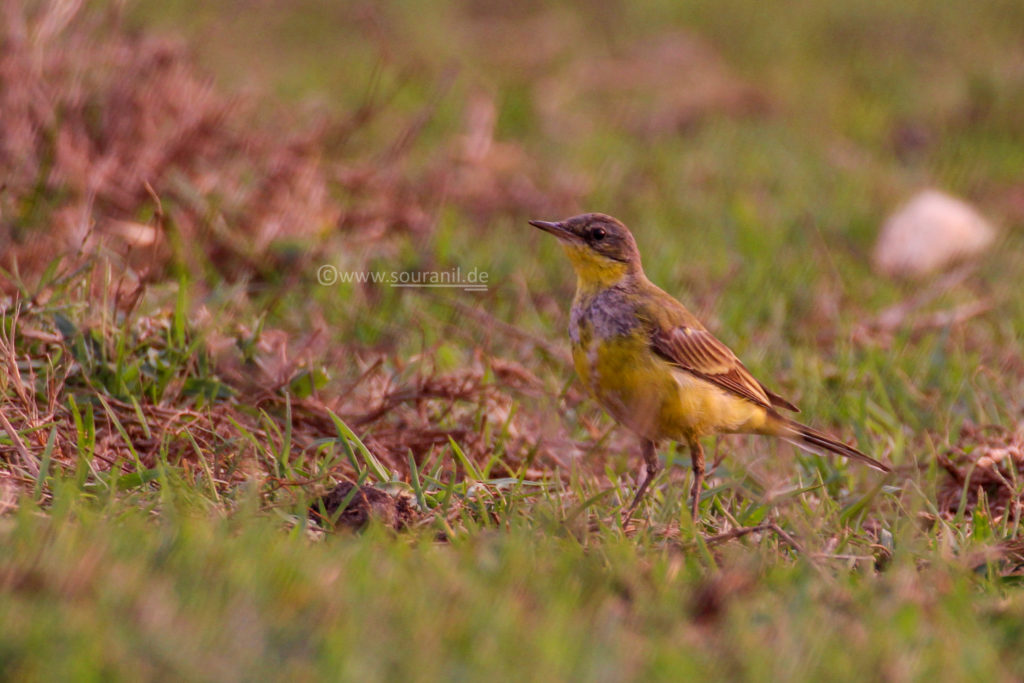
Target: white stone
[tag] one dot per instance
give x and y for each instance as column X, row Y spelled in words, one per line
column 930, row 232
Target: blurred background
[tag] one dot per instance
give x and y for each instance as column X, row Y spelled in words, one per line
column 214, row 155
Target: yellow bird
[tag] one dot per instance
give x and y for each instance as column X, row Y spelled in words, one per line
column 651, row 363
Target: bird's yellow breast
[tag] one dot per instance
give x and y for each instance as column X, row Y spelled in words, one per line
column 651, row 396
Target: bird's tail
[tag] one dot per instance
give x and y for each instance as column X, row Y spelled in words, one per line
column 819, row 443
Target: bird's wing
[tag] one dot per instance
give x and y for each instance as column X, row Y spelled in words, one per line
column 698, row 352
column 778, row 401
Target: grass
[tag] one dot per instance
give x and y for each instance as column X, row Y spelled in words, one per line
column 177, row 404
column 107, row 589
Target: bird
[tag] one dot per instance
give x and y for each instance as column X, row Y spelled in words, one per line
column 655, row 368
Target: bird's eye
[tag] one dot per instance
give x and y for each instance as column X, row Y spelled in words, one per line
column 598, row 234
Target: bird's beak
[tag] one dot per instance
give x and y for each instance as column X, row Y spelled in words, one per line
column 557, row 229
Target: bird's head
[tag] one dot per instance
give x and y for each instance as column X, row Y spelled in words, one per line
column 601, row 248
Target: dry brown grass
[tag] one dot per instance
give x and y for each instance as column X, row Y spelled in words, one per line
column 983, row 469
column 122, row 161
column 223, row 419
column 98, row 123
column 102, row 128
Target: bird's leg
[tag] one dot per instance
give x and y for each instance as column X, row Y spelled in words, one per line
column 697, row 456
column 651, row 466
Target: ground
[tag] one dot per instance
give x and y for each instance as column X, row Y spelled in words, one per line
column 181, row 386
